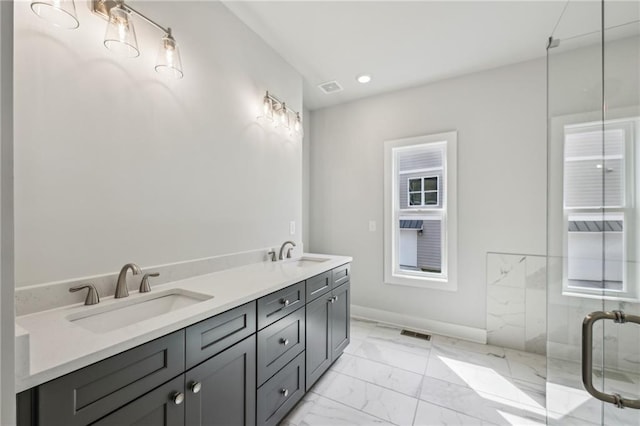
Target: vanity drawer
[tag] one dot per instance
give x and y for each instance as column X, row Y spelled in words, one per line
column 341, row 275
column 280, row 393
column 318, row 285
column 280, row 303
column 84, row 396
column 215, row 334
column 280, row 343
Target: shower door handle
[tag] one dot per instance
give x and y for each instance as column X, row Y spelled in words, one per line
column 587, row 356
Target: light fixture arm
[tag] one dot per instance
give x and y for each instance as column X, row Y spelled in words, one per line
column 281, row 103
column 102, row 8
column 149, row 20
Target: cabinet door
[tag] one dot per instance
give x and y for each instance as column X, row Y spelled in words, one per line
column 88, row 394
column 226, row 394
column 340, row 310
column 160, row 407
column 318, row 339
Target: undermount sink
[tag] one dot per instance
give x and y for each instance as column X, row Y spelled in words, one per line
column 304, row 262
column 127, row 312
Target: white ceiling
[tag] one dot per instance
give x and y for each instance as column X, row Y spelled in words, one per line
column 401, row 44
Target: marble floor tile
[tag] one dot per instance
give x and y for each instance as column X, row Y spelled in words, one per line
column 393, row 378
column 391, row 335
column 434, row 415
column 527, row 366
column 393, row 355
column 482, row 405
column 315, row 410
column 360, row 329
column 372, row 399
column 443, row 341
column 465, row 368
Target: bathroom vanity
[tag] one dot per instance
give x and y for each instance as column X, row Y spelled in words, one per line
column 248, row 362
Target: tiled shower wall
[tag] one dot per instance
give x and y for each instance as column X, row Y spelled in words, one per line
column 517, row 301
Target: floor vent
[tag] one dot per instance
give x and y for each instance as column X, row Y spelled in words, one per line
column 416, row 335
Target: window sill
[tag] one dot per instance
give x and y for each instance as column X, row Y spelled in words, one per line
column 443, row 284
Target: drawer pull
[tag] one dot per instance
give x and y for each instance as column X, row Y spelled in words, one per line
column 285, row 302
column 177, row 398
column 195, row 387
column 284, row 341
column 284, row 392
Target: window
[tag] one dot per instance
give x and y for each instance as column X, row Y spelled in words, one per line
column 598, row 170
column 423, row 191
column 420, row 211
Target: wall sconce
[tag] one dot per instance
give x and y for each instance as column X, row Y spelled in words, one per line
column 280, row 114
column 120, row 36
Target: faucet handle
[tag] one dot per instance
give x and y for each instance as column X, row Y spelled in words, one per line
column 92, row 295
column 273, row 255
column 289, row 252
column 144, row 284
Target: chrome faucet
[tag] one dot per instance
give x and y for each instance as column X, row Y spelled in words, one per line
column 288, row 251
column 121, row 286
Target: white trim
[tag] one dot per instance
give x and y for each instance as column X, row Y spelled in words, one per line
column 447, row 280
column 427, row 170
column 423, row 325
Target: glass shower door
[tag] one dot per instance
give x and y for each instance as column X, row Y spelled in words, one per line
column 593, row 216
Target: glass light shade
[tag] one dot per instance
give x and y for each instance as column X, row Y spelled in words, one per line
column 267, row 108
column 168, row 61
column 283, row 116
column 121, row 35
column 61, row 13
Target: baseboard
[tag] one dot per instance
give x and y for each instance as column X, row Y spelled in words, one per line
column 463, row 332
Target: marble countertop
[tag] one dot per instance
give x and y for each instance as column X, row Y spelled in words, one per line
column 57, row 346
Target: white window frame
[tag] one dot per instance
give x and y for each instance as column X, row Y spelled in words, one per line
column 629, row 291
column 422, row 192
column 447, row 279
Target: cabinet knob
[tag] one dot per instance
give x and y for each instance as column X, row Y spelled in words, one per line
column 285, row 302
column 335, row 298
column 332, row 299
column 195, row 387
column 284, row 392
column 177, row 398
column 284, row 341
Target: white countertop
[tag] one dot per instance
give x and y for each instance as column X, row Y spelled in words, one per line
column 57, row 346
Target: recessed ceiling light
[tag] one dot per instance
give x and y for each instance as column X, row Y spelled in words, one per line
column 363, row 78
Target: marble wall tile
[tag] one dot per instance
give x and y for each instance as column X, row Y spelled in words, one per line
column 516, row 301
column 506, row 316
column 535, row 313
column 506, row 270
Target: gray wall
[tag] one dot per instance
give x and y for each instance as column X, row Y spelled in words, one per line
column 114, row 164
column 500, row 118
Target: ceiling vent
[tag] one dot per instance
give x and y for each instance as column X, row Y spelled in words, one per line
column 330, row 87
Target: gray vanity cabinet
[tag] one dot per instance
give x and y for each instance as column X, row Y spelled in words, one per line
column 248, row 365
column 222, row 390
column 327, row 331
column 156, row 408
column 90, row 393
column 340, row 310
